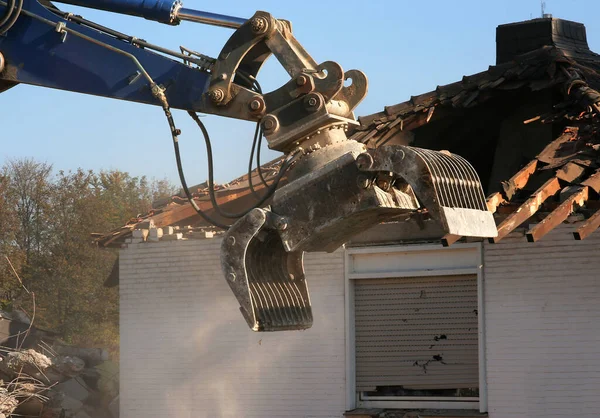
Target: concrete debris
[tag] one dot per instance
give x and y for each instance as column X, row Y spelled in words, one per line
column 155, row 234
column 69, row 366
column 91, row 356
column 173, row 237
column 29, row 362
column 8, row 403
column 53, row 385
column 140, row 234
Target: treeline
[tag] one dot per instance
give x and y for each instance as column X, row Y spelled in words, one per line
column 46, row 222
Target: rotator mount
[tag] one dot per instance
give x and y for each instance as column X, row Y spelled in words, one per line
column 315, row 97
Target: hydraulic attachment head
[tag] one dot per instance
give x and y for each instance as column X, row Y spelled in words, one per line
column 335, row 189
column 333, row 200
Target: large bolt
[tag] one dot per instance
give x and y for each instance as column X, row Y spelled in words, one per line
column 270, row 124
column 281, row 224
column 301, row 80
column 364, row 161
column 312, row 102
column 259, row 25
column 363, row 182
column 216, row 95
column 257, row 105
column 383, row 184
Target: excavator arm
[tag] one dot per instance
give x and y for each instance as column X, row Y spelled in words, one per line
column 335, row 187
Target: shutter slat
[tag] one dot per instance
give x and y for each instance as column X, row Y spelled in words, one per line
column 419, row 333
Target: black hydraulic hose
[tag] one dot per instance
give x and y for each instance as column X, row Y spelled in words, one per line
column 13, row 15
column 211, row 191
column 175, row 134
column 8, row 13
column 259, row 168
column 251, row 161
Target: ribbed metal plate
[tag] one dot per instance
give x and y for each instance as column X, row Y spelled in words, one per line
column 419, row 333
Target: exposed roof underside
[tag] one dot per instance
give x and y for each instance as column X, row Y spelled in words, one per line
column 538, row 70
column 564, row 177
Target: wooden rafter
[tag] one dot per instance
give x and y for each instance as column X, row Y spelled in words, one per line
column 527, row 209
column 519, row 180
column 593, row 182
column 450, row 239
column 558, row 215
column 588, row 227
column 494, row 201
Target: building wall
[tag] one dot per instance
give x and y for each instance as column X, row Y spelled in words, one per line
column 542, row 306
column 186, row 351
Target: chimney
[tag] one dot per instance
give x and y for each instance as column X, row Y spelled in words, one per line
column 518, row 38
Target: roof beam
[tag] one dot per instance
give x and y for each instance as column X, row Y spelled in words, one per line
column 519, row 180
column 494, row 201
column 593, row 181
column 558, row 215
column 449, row 239
column 588, row 227
column 527, row 209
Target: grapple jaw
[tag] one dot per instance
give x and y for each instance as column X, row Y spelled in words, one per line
column 267, row 281
column 322, row 209
column 446, row 185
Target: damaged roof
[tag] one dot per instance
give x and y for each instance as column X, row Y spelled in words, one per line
column 548, row 56
column 176, row 211
column 565, row 175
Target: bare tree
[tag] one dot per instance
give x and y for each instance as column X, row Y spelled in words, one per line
column 27, row 191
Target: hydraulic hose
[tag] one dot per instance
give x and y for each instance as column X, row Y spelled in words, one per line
column 11, row 16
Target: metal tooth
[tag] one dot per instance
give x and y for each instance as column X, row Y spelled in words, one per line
column 476, row 182
column 442, row 192
column 278, row 299
column 462, row 194
column 454, row 197
column 472, row 184
column 455, row 181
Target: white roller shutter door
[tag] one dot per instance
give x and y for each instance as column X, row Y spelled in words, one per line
column 416, row 332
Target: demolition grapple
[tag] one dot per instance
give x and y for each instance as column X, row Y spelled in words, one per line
column 335, row 187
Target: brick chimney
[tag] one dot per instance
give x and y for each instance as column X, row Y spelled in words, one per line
column 518, row 38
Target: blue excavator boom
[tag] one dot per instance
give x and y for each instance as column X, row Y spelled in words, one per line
column 43, row 46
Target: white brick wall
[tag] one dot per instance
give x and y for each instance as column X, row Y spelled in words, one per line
column 542, row 305
column 186, row 351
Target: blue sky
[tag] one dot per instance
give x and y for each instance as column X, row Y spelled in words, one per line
column 404, row 47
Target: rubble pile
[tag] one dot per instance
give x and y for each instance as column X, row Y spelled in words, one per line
column 54, row 380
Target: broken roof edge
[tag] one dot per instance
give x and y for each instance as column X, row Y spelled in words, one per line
column 177, row 210
column 490, row 79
